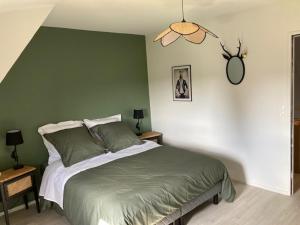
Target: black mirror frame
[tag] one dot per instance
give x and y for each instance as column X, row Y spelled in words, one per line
column 244, row 70
column 228, row 56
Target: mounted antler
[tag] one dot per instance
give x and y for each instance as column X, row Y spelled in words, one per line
column 239, row 48
column 228, row 56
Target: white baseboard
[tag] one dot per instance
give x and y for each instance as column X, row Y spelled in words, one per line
column 264, row 187
column 17, row 208
column 269, row 188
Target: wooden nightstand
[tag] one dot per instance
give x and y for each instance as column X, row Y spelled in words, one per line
column 15, row 183
column 152, row 136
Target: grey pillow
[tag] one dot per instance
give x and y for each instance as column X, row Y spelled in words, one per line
column 75, row 145
column 117, row 136
column 95, row 135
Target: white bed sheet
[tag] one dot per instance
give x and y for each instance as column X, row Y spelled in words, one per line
column 56, row 175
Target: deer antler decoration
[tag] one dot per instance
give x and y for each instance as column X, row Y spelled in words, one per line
column 228, row 55
column 239, row 48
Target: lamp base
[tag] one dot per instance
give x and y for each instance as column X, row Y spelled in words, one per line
column 18, row 166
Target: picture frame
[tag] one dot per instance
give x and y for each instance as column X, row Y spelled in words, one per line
column 182, row 83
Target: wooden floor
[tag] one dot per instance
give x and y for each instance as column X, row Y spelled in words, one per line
column 253, row 206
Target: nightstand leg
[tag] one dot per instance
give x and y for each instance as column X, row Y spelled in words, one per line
column 26, row 201
column 4, row 203
column 160, row 140
column 36, row 196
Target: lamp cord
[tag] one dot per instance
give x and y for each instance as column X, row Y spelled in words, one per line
column 183, row 20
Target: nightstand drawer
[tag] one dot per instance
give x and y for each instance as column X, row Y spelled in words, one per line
column 19, row 186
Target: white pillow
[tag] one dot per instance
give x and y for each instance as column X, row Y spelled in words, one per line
column 110, row 119
column 51, row 128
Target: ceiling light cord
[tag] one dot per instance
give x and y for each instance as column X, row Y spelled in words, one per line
column 183, row 20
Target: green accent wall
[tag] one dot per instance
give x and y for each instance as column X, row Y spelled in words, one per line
column 66, row 74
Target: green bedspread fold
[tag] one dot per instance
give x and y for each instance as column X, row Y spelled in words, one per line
column 142, row 189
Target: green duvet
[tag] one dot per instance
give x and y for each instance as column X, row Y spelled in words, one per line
column 142, row 189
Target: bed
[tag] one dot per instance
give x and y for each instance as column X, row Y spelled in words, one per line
column 142, row 184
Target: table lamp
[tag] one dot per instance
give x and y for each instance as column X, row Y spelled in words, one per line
column 14, row 138
column 138, row 114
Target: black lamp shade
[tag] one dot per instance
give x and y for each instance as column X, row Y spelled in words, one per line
column 14, row 137
column 138, row 114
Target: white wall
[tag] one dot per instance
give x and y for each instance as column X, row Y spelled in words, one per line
column 17, row 29
column 247, row 126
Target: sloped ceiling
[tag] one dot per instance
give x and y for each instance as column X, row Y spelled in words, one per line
column 18, row 25
column 139, row 16
column 15, row 5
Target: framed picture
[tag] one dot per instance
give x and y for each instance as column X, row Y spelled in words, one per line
column 182, row 83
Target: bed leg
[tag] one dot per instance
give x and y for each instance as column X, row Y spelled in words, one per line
column 216, row 199
column 180, row 221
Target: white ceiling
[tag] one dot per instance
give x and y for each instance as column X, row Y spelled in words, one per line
column 13, row 5
column 131, row 16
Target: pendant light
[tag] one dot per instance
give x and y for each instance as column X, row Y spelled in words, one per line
column 191, row 32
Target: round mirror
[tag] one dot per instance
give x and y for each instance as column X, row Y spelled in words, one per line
column 235, row 70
